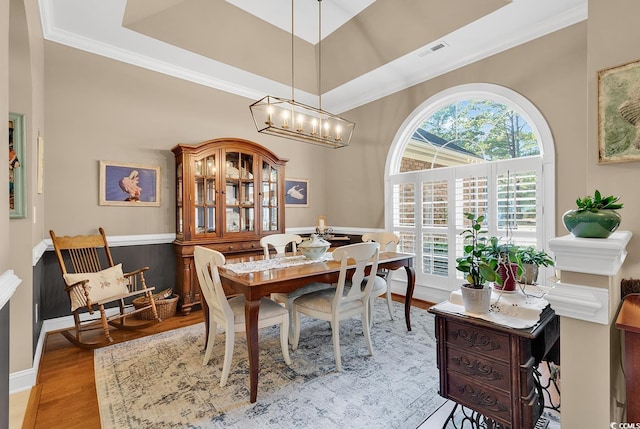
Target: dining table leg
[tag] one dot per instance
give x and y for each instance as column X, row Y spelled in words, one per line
column 251, row 309
column 411, row 284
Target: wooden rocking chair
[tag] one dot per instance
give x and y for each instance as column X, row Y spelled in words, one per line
column 90, row 287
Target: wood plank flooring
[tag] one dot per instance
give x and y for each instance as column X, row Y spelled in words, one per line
column 65, row 394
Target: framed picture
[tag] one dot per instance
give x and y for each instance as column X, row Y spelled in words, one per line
column 130, row 185
column 619, row 113
column 296, row 192
column 17, row 165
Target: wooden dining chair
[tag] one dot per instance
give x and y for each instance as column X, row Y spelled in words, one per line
column 230, row 313
column 280, row 242
column 90, row 287
column 388, row 243
column 342, row 302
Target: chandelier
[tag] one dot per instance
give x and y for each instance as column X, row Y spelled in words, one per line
column 297, row 121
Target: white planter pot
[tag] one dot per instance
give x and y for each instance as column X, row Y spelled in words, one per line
column 529, row 274
column 476, row 300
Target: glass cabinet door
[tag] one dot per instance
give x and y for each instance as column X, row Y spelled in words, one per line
column 239, row 192
column 269, row 197
column 204, row 195
column 179, row 220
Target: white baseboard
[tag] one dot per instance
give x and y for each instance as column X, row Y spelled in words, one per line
column 26, row 379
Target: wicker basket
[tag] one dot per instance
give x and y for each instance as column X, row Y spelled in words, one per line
column 165, row 307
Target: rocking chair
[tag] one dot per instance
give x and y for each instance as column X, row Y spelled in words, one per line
column 91, row 287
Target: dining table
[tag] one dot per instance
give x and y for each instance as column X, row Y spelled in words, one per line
column 283, row 278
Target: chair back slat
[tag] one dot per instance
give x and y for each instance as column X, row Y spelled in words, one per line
column 85, row 260
column 361, row 254
column 280, row 243
column 207, row 262
column 388, row 240
column 82, row 253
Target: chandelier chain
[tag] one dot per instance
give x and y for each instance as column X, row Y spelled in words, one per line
column 292, row 61
column 320, row 54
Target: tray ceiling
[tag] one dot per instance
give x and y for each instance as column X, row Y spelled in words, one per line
column 370, row 50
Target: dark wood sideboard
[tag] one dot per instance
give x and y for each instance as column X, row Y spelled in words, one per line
column 629, row 322
column 489, row 368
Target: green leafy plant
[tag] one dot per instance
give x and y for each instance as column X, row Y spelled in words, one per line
column 531, row 255
column 500, row 253
column 474, row 263
column 597, row 202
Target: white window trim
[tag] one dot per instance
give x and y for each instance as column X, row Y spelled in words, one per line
column 499, row 94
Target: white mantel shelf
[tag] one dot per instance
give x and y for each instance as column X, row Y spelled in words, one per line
column 8, row 284
column 598, row 256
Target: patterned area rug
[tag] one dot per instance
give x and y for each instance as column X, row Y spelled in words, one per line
column 160, row 382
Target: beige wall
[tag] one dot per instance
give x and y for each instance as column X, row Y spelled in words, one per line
column 549, row 71
column 5, row 245
column 613, row 40
column 100, row 109
column 26, row 74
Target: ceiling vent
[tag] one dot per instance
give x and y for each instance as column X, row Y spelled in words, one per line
column 433, row 48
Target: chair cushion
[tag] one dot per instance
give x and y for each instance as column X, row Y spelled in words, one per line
column 311, row 287
column 322, row 301
column 268, row 309
column 379, row 285
column 102, row 285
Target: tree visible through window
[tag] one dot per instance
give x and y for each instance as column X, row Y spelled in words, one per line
column 475, row 154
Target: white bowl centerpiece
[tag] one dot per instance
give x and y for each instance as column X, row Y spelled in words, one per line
column 314, row 247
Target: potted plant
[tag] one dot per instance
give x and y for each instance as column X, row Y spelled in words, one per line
column 476, row 295
column 504, row 259
column 595, row 217
column 531, row 259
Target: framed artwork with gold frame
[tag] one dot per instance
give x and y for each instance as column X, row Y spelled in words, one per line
column 130, row 185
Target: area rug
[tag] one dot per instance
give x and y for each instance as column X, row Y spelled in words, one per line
column 160, row 382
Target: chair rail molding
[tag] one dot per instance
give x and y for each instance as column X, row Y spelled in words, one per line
column 9, row 282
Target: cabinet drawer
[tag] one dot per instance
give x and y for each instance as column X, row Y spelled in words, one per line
column 478, row 340
column 489, row 402
column 237, row 247
column 481, row 369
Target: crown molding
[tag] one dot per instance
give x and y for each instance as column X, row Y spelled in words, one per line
column 124, row 45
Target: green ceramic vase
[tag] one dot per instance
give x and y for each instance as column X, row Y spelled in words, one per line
column 588, row 224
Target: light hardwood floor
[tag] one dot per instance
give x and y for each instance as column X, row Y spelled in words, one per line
column 65, row 394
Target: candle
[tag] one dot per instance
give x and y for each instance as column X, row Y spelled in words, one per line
column 326, row 129
column 314, row 124
column 285, row 119
column 269, row 111
column 321, row 225
column 300, row 122
column 338, row 130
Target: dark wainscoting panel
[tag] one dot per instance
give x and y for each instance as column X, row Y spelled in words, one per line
column 37, row 302
column 158, row 257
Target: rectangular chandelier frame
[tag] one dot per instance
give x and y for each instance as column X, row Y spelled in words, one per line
column 297, row 121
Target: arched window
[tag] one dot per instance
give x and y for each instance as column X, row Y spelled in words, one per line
column 476, row 148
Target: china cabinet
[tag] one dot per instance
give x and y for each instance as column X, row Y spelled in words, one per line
column 229, row 194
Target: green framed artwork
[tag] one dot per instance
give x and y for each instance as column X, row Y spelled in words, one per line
column 17, row 197
column 619, row 113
